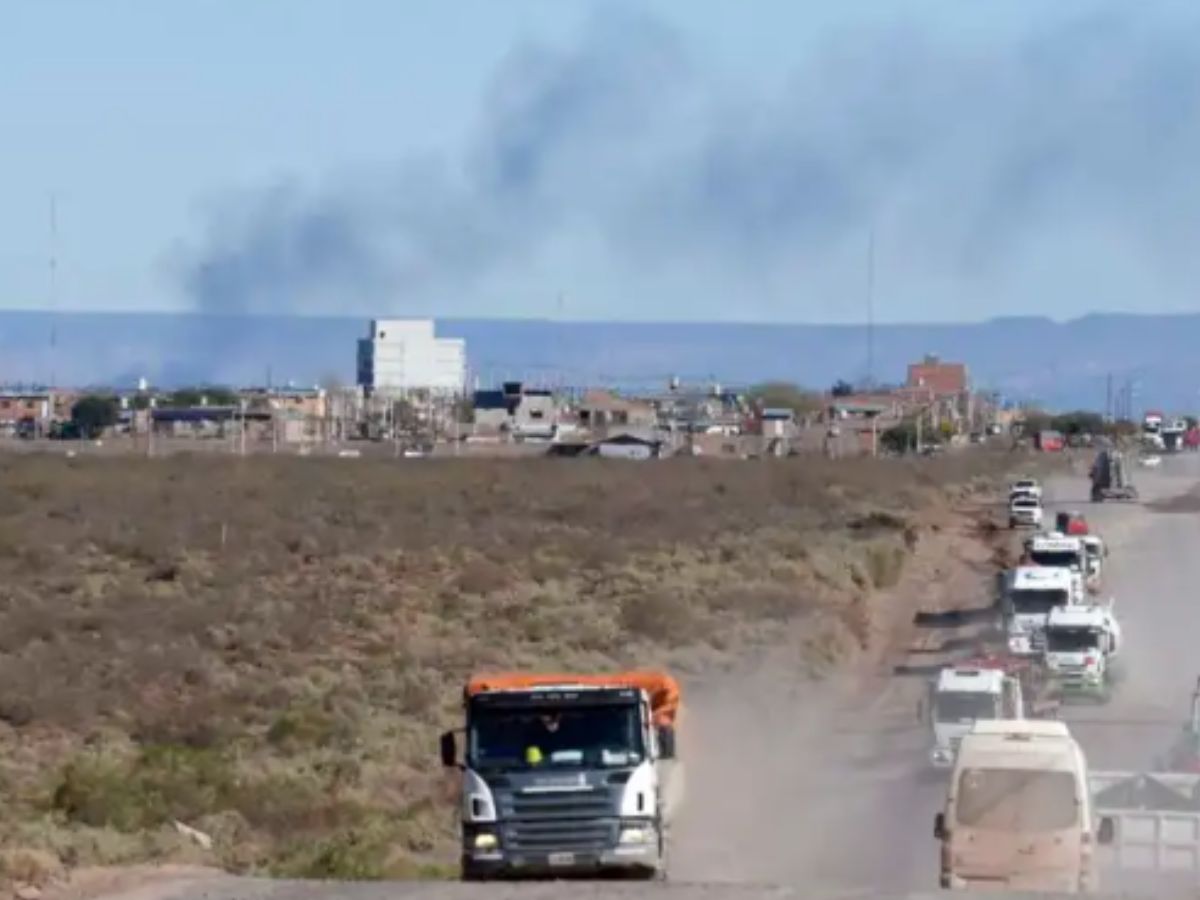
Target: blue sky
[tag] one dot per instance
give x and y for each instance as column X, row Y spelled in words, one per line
column 663, row 159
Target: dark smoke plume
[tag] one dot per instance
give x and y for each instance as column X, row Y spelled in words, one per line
column 1055, row 172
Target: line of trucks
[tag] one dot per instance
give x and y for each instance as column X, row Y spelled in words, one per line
column 567, row 775
column 1023, row 811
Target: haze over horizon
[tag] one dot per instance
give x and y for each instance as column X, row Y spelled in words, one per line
column 604, row 160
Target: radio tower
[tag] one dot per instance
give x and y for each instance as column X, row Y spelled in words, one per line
column 53, row 299
column 871, row 309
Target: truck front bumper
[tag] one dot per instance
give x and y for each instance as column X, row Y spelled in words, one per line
column 1064, row 882
column 1076, row 688
column 634, row 859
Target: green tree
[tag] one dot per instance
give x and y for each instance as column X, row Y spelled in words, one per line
column 902, row 438
column 1078, row 422
column 841, row 388
column 211, row 395
column 93, row 413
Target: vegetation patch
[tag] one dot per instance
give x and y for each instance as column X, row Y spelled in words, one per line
column 246, row 662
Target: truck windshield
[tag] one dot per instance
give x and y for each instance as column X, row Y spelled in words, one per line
column 578, row 736
column 965, row 706
column 1020, row 800
column 1054, row 559
column 1072, row 640
column 1031, row 601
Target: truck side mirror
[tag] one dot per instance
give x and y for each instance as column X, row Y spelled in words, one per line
column 939, row 826
column 666, row 742
column 449, row 750
column 1106, row 832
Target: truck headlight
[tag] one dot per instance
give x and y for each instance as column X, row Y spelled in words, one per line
column 485, row 840
column 635, row 834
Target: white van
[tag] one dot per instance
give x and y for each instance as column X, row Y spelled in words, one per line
column 1018, row 811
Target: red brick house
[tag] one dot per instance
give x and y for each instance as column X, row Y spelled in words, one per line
column 947, row 385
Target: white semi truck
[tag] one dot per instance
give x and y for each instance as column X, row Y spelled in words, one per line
column 1029, row 593
column 1082, row 643
column 1053, row 549
column 567, row 774
column 960, row 696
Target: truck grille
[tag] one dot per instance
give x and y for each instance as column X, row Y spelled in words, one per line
column 1071, row 674
column 560, row 835
column 568, row 821
column 575, row 805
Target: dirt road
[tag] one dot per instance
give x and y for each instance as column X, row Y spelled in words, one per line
column 825, row 792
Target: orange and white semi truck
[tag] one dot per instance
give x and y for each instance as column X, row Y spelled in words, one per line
column 566, row 774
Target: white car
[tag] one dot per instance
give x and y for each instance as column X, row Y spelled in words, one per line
column 1025, row 511
column 1025, row 487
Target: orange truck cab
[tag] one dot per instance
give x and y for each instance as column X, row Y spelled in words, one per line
column 566, row 774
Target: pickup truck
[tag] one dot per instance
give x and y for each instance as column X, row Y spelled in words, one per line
column 1025, row 510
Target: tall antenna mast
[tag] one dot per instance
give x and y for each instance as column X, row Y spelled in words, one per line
column 53, row 298
column 871, row 308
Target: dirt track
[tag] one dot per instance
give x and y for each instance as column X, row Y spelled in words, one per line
column 824, row 792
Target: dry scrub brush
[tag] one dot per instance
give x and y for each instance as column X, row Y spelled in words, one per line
column 265, row 648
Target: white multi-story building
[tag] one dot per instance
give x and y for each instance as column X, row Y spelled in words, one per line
column 403, row 355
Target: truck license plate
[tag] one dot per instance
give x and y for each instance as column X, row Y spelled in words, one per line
column 561, row 859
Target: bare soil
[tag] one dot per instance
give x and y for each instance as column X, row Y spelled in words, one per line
column 265, row 649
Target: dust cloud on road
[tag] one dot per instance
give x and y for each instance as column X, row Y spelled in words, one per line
column 827, row 785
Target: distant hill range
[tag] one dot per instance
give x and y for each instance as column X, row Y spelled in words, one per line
column 1063, row 365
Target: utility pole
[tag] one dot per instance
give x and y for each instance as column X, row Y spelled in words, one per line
column 242, row 430
column 53, row 294
column 392, row 409
column 871, row 308
column 1108, row 398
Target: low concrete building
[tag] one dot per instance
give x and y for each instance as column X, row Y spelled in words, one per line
column 603, row 412
column 618, row 446
column 34, row 409
column 628, row 446
column 291, row 402
column 516, row 410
